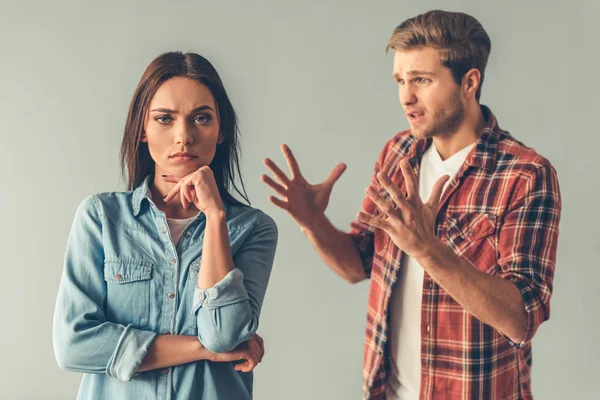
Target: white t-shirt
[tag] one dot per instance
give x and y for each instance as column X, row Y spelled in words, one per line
column 404, row 379
column 177, row 226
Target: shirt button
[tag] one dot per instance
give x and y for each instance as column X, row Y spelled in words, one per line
column 428, row 328
column 470, row 232
column 171, row 295
column 118, row 277
column 164, row 371
column 431, row 285
column 187, row 236
column 167, row 332
column 164, row 229
column 173, row 261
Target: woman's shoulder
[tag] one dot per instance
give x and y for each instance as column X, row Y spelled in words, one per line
column 241, row 216
column 107, row 203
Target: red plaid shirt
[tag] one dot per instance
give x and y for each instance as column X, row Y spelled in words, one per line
column 501, row 214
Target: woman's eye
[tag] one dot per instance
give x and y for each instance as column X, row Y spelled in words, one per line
column 163, row 119
column 202, row 119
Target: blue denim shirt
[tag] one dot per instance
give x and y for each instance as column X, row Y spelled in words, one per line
column 124, row 282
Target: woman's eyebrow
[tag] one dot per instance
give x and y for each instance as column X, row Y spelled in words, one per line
column 197, row 109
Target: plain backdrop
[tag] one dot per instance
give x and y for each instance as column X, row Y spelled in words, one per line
column 314, row 75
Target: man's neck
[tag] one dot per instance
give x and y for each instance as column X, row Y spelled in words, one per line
column 467, row 133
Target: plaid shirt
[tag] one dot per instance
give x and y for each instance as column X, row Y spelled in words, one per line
column 501, row 214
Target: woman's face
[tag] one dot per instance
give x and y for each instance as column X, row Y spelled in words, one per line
column 181, row 127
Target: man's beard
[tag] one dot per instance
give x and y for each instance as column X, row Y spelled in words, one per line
column 444, row 121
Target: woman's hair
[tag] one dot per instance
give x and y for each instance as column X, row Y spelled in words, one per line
column 461, row 40
column 136, row 162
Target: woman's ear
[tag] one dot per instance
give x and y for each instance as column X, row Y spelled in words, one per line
column 143, row 138
column 221, row 138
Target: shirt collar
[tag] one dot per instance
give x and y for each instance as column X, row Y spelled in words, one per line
column 141, row 193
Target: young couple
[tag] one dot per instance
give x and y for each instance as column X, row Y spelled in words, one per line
column 163, row 285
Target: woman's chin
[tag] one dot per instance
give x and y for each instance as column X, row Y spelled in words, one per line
column 179, row 169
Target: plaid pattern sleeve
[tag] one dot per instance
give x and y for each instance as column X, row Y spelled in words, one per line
column 528, row 243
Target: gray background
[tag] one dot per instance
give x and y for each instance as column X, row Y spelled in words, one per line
column 316, row 77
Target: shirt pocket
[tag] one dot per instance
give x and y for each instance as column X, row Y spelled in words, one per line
column 192, row 283
column 128, row 291
column 472, row 236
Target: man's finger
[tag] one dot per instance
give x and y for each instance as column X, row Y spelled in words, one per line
column 384, row 205
column 278, row 202
column 335, row 174
column 279, row 174
column 279, row 189
column 392, row 189
column 372, row 220
column 436, row 192
column 412, row 188
column 291, row 161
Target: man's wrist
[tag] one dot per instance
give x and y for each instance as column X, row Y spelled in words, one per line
column 316, row 225
column 430, row 252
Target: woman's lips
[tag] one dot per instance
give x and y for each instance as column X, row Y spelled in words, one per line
column 182, row 157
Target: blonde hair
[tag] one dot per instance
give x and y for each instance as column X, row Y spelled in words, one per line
column 462, row 42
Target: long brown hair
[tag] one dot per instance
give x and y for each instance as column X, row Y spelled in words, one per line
column 461, row 40
column 136, row 162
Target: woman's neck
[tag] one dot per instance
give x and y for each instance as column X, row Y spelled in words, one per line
column 173, row 209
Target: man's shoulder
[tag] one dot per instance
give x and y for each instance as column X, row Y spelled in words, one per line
column 514, row 153
column 399, row 144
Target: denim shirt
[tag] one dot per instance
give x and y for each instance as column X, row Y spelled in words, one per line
column 124, row 282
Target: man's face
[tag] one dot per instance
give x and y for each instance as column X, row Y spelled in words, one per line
column 430, row 96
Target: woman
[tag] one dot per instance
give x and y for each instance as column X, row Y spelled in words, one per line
column 163, row 285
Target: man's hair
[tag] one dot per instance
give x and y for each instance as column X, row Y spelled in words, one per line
column 462, row 42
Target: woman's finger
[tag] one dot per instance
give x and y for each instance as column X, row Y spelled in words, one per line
column 184, row 202
column 261, row 345
column 171, row 195
column 170, row 178
column 188, row 192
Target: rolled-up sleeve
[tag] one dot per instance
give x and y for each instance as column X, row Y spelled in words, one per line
column 363, row 235
column 84, row 341
column 228, row 313
column 528, row 244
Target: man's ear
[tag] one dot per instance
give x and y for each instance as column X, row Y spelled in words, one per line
column 471, row 82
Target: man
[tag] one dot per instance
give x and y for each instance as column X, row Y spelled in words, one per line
column 458, row 232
